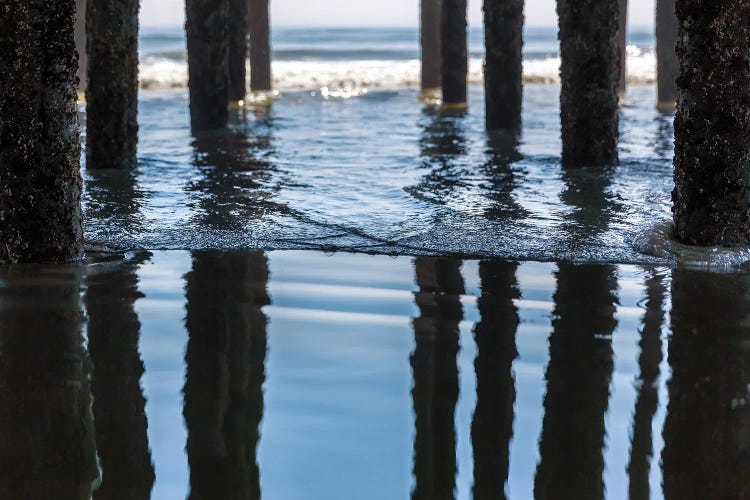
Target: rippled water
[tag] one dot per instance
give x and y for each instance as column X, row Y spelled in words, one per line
column 300, row 375
column 383, row 173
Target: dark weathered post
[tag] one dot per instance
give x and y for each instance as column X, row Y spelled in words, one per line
column 712, row 126
column 260, row 45
column 119, row 406
column 455, row 58
column 667, row 64
column 580, row 348
column 208, row 51
column 435, row 370
column 590, row 73
column 503, row 67
column 40, row 182
column 80, row 37
column 237, row 50
column 495, row 334
column 430, row 20
column 622, row 44
column 112, row 90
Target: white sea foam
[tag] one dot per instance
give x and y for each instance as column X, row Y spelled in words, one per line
column 353, row 78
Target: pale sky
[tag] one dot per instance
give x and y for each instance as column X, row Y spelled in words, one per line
column 332, row 13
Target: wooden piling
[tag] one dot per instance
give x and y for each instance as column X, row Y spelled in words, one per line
column 667, row 64
column 622, row 43
column 430, row 20
column 503, row 68
column 237, row 50
column 590, row 73
column 80, row 37
column 40, row 183
column 712, row 127
column 260, row 45
column 112, row 90
column 455, row 63
column 208, row 51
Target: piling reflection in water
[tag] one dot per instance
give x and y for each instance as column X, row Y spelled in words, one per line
column 495, row 334
column 647, row 402
column 501, row 180
column 119, row 405
column 707, row 430
column 578, row 379
column 47, row 447
column 225, row 372
column 435, row 371
column 235, row 187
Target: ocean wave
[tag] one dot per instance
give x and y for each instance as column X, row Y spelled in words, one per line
column 157, row 72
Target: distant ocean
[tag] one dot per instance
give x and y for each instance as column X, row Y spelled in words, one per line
column 353, row 60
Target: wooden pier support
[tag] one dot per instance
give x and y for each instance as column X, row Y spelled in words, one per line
column 590, row 74
column 260, row 45
column 430, row 21
column 455, row 57
column 712, row 126
column 622, row 43
column 112, row 90
column 503, row 67
column 206, row 25
column 667, row 64
column 237, row 58
column 80, row 37
column 40, row 182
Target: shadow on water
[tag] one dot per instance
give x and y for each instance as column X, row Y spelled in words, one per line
column 707, row 430
column 225, row 359
column 236, row 185
column 578, row 381
column 435, row 391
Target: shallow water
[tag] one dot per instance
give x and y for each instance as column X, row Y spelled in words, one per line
column 383, row 173
column 301, row 375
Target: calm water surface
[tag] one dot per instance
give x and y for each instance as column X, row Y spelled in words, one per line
column 243, row 374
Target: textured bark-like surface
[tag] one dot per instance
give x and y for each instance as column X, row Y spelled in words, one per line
column 649, row 361
column 237, row 49
column 40, row 182
column 503, row 67
column 47, row 447
column 622, row 44
column 706, row 450
column 260, row 45
column 225, row 372
column 430, row 12
column 495, row 334
column 80, row 37
column 119, row 405
column 667, row 64
column 590, row 72
column 435, row 371
column 112, row 90
column 454, row 51
column 578, row 380
column 711, row 199
column 206, row 26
